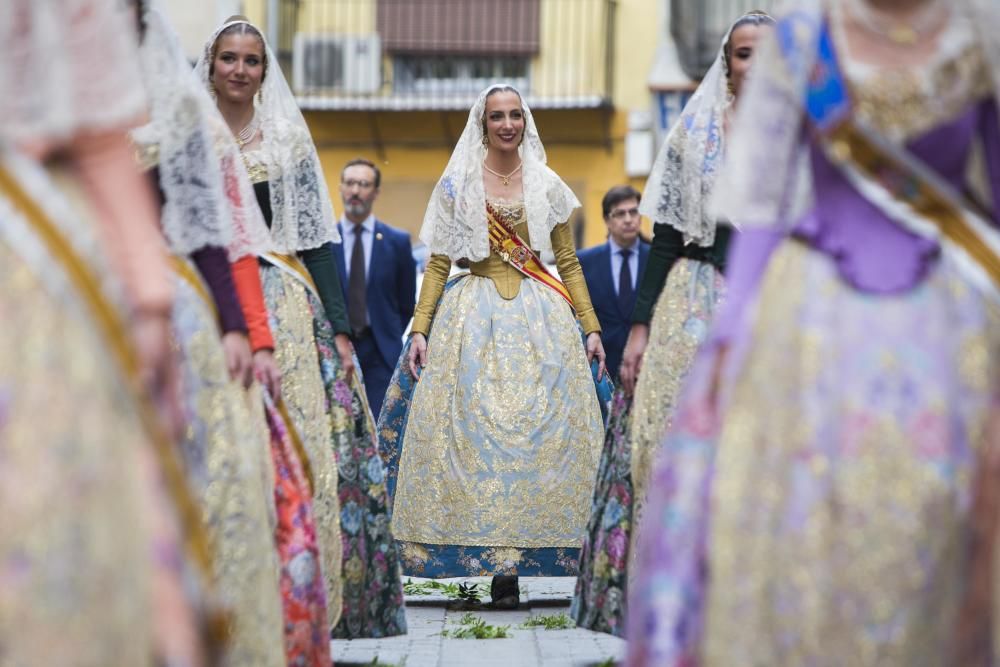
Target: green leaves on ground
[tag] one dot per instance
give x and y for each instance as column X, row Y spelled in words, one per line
column 474, row 627
column 466, row 591
column 550, row 622
column 376, row 663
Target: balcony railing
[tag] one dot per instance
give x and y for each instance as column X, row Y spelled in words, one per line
column 438, row 54
column 698, row 27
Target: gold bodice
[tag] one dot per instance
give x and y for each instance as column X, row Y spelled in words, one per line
column 506, row 278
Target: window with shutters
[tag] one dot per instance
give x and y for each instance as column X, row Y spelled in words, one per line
column 459, row 27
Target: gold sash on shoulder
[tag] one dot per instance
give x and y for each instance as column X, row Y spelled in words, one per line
column 913, row 184
column 115, row 333
column 188, row 274
column 294, row 267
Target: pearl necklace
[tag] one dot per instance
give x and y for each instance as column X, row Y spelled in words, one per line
column 247, row 134
column 504, row 179
column 899, row 33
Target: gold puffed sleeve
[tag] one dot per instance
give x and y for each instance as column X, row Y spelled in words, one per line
column 431, row 289
column 572, row 276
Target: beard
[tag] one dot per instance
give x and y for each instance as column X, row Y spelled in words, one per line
column 357, row 209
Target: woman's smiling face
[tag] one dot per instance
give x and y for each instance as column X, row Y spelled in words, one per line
column 504, row 120
column 238, row 67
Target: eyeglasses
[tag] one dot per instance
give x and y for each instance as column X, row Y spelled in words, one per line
column 364, row 185
column 622, row 213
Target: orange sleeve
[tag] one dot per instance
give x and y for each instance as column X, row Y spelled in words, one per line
column 128, row 217
column 246, row 276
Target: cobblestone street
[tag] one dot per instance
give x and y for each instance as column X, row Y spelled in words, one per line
column 428, row 616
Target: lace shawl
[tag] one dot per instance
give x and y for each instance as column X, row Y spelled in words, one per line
column 302, row 213
column 681, row 182
column 209, row 197
column 455, row 221
column 766, row 180
column 67, row 66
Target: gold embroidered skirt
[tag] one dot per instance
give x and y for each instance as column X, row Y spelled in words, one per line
column 503, row 435
column 227, row 456
column 680, row 324
column 76, row 531
column 840, row 510
column 303, row 393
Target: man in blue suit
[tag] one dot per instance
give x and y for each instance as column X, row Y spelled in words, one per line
column 379, row 278
column 613, row 271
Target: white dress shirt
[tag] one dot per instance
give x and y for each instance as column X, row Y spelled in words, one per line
column 616, row 262
column 367, row 239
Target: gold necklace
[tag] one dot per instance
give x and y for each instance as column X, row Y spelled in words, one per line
column 900, row 33
column 504, row 179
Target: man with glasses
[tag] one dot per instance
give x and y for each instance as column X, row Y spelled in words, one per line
column 613, row 271
column 379, row 278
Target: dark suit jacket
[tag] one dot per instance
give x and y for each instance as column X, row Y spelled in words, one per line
column 391, row 288
column 615, row 325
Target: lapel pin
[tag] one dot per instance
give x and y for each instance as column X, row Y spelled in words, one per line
column 378, row 236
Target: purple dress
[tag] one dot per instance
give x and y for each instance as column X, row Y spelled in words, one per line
column 828, row 509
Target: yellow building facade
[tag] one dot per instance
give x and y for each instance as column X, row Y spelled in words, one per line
column 585, row 144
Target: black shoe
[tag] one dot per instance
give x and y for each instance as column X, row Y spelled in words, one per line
column 505, row 593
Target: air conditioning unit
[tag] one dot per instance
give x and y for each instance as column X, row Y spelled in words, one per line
column 328, row 62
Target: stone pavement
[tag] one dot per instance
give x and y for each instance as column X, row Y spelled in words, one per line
column 427, row 616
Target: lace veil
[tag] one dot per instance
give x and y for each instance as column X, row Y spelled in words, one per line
column 302, row 213
column 68, row 65
column 455, row 220
column 680, row 185
column 766, row 180
column 209, row 198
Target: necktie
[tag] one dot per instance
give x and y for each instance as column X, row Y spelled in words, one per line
column 626, row 294
column 357, row 308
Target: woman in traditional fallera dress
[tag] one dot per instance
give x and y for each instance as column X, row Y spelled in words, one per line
column 90, row 562
column 496, row 448
column 320, row 380
column 192, row 158
column 827, row 493
column 684, row 281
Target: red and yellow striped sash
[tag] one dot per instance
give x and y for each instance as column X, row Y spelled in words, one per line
column 512, row 249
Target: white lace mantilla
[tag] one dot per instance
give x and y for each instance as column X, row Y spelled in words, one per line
column 766, row 180
column 302, row 212
column 455, row 220
column 67, row 66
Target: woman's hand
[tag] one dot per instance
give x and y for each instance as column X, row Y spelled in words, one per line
column 157, row 367
column 595, row 348
column 346, row 353
column 239, row 360
column 418, row 354
column 265, row 368
column 635, row 348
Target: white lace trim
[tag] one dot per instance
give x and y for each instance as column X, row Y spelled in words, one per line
column 67, row 66
column 683, row 176
column 302, row 212
column 766, row 179
column 455, row 220
column 209, row 197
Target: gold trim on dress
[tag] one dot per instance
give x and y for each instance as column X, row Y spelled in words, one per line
column 294, row 267
column 183, row 269
column 115, row 333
